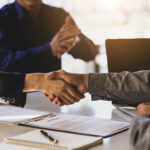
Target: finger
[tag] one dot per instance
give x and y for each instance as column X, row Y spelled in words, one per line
column 76, row 96
column 70, row 99
column 67, row 45
column 62, row 49
column 61, row 71
column 68, row 35
column 56, row 75
column 67, row 99
column 68, row 21
column 50, row 100
column 45, row 94
column 51, row 97
column 69, row 29
column 56, row 100
column 70, row 41
column 50, row 76
column 59, row 102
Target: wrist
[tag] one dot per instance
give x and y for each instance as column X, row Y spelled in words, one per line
column 34, row 82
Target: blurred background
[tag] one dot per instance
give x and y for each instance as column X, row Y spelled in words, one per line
column 99, row 20
column 102, row 19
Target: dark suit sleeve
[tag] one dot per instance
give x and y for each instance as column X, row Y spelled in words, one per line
column 121, row 88
column 11, row 88
column 85, row 49
column 140, row 133
column 22, row 60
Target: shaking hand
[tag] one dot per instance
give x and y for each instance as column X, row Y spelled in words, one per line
column 78, row 81
column 57, row 87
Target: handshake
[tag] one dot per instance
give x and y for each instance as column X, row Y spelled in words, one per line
column 64, row 88
column 59, row 87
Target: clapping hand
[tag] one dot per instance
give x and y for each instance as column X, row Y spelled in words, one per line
column 65, row 39
column 78, row 81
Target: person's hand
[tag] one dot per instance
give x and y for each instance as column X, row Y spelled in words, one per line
column 143, row 109
column 65, row 39
column 54, row 99
column 59, row 88
column 80, row 81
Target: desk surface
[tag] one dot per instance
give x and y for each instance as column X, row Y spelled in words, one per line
column 99, row 109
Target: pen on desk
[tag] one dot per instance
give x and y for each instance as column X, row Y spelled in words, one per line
column 51, row 138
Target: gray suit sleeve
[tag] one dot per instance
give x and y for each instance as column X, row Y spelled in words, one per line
column 121, row 88
column 140, row 133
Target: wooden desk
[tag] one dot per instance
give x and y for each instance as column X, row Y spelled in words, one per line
column 85, row 107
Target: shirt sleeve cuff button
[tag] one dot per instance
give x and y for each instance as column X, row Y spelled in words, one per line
column 12, row 100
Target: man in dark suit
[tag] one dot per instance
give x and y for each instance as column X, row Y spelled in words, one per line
column 34, row 36
column 13, row 86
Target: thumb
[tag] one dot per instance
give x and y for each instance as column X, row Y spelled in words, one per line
column 55, row 75
column 50, row 76
column 68, row 21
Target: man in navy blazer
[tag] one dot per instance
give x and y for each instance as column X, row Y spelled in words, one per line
column 34, row 36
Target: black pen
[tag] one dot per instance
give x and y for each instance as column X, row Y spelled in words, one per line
column 51, row 138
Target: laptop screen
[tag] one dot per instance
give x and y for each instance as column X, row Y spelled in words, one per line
column 128, row 54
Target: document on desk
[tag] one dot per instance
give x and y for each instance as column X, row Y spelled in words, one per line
column 13, row 114
column 79, row 124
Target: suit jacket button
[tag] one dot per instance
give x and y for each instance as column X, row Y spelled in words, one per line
column 8, row 99
column 12, row 100
column 3, row 98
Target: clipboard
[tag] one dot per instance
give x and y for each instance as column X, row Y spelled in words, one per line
column 77, row 124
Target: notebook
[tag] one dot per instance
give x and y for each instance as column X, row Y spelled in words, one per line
column 34, row 139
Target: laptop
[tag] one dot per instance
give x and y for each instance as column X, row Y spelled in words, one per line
column 128, row 55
